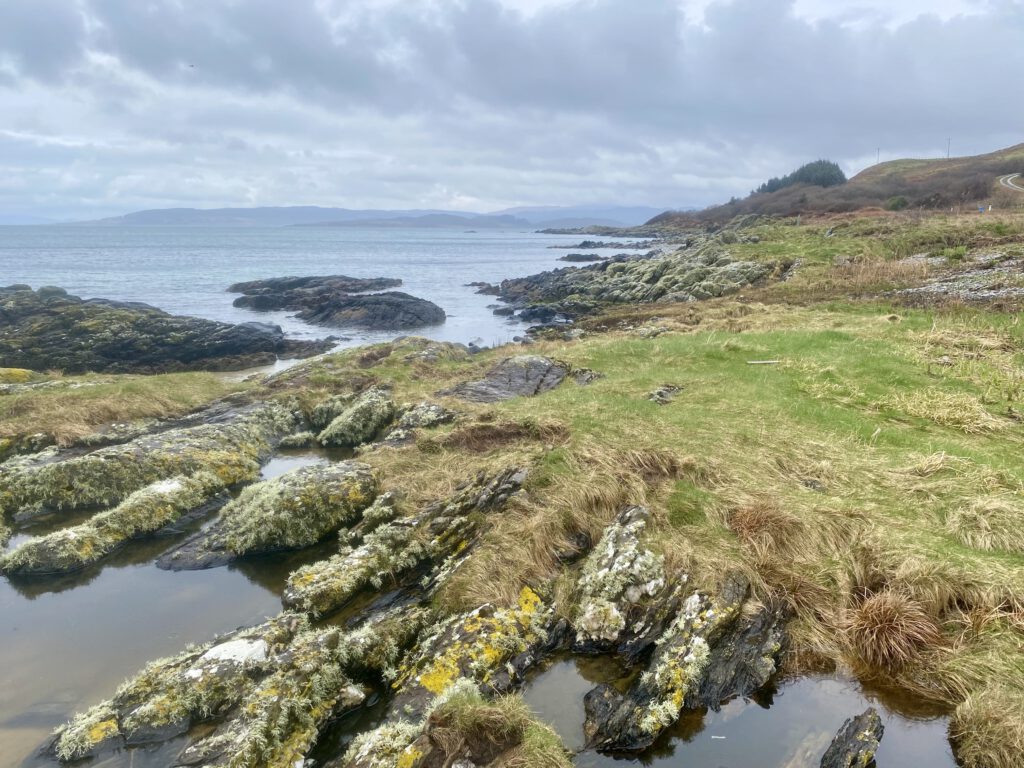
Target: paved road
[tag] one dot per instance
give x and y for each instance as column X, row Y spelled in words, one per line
column 1010, row 182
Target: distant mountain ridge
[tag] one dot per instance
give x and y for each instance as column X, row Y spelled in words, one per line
column 524, row 217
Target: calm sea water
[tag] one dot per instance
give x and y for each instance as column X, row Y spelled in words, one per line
column 187, row 270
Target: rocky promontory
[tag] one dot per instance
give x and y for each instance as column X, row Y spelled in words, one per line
column 50, row 329
column 340, row 301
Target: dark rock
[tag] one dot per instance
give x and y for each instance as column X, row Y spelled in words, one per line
column 485, row 289
column 539, row 314
column 51, row 329
column 504, row 311
column 580, row 257
column 520, row 376
column 329, row 300
column 665, row 394
column 856, row 743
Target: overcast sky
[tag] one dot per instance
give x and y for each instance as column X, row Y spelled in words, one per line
column 109, row 106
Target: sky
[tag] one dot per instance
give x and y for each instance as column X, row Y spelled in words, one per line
column 110, row 106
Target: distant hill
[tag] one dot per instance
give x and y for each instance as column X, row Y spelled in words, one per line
column 526, row 217
column 896, row 185
column 432, row 221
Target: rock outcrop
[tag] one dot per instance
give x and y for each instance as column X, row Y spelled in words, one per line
column 520, row 376
column 50, row 329
column 623, row 601
column 717, row 646
column 147, row 510
column 355, row 421
column 856, row 742
column 229, row 443
column 436, row 537
column 338, row 301
column 292, row 511
column 703, row 271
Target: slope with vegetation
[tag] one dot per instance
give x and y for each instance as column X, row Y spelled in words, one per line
column 956, row 183
column 823, row 467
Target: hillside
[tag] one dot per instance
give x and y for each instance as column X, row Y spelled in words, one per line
column 897, row 184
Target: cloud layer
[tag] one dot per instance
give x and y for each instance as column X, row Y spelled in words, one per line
column 113, row 105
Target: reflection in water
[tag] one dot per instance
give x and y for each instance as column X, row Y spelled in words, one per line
column 67, row 642
column 787, row 725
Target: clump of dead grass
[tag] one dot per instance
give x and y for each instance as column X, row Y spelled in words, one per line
column 486, row 436
column 888, row 630
column 989, row 523
column 764, row 526
column 987, row 729
column 958, row 410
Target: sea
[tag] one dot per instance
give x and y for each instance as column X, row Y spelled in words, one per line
column 187, row 270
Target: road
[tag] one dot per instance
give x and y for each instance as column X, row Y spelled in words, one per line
column 1010, row 182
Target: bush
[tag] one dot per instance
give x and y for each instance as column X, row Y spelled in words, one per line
column 897, row 203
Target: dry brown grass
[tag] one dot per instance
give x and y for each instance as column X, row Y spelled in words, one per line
column 989, row 523
column 947, row 409
column 888, row 630
column 871, row 275
column 71, row 413
column 486, row 436
column 765, row 527
column 987, row 729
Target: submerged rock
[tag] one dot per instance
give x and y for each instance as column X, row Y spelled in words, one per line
column 856, row 743
column 714, row 647
column 50, row 329
column 230, row 445
column 623, row 602
column 328, row 301
column 360, row 421
column 295, row 510
column 519, row 376
column 145, row 511
column 399, row 548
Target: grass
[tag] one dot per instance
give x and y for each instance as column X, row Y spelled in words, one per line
column 77, row 406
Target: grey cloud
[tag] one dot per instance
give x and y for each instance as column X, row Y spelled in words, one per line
column 394, row 103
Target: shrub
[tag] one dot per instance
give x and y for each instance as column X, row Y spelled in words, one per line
column 897, row 203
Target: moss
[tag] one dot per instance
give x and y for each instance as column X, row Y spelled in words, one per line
column 361, row 421
column 145, row 511
column 298, row 508
column 108, row 475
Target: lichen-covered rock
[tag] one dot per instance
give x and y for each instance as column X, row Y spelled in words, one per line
column 50, row 329
column 665, row 394
column 291, row 511
column 622, row 601
column 478, row 646
column 703, row 633
column 5, row 534
column 169, row 695
column 856, row 742
column 298, row 440
column 360, row 421
column 424, row 415
column 519, row 376
column 226, row 445
column 261, row 693
column 701, row 271
column 395, row 549
column 145, row 511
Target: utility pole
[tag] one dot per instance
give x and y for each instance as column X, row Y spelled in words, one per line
column 878, row 155
column 948, row 142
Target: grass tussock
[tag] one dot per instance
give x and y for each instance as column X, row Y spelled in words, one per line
column 961, row 411
column 888, row 630
column 987, row 729
column 486, row 436
column 989, row 523
column 502, row 731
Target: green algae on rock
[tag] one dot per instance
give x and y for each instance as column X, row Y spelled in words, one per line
column 291, row 511
column 360, row 421
column 145, row 511
column 227, row 446
column 395, row 549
